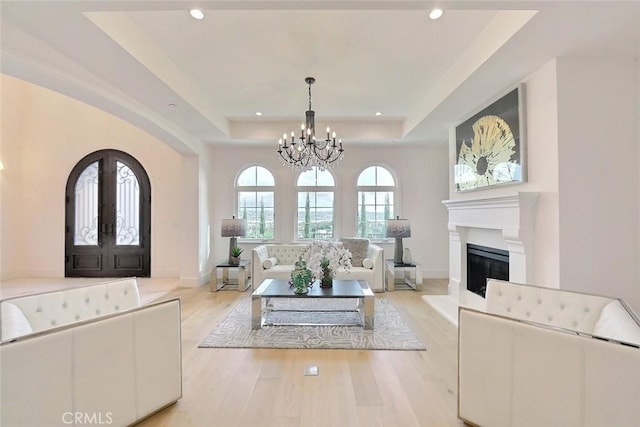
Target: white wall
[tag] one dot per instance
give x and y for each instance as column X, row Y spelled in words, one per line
column 422, row 178
column 583, row 143
column 542, row 169
column 598, row 152
column 44, row 134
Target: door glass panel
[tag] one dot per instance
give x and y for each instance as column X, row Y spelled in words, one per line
column 127, row 206
column 86, row 207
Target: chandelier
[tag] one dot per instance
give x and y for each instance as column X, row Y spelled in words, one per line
column 306, row 151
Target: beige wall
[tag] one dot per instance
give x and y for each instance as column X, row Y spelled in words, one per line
column 44, row 134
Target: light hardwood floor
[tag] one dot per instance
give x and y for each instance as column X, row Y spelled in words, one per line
column 266, row 387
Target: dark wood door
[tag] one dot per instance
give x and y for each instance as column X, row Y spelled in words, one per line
column 108, row 217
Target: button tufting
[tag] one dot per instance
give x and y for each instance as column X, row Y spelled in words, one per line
column 64, row 305
column 508, row 309
column 77, row 316
column 53, row 323
column 519, row 298
column 528, row 314
column 126, row 292
column 39, row 309
column 575, row 324
column 539, row 301
column 106, row 296
column 86, row 300
column 549, row 318
column 499, row 294
column 561, row 306
column 586, row 309
column 117, row 307
column 97, row 311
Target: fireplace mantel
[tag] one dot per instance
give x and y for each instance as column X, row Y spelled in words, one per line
column 513, row 216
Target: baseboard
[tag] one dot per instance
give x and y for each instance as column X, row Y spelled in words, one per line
column 435, row 274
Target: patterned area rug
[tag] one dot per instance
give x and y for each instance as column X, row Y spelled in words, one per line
column 390, row 332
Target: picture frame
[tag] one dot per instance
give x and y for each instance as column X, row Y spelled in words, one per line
column 490, row 145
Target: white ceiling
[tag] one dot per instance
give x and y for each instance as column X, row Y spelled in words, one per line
column 135, row 58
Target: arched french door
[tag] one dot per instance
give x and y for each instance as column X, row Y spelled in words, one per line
column 108, row 217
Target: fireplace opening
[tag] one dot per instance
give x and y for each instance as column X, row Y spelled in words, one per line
column 485, row 263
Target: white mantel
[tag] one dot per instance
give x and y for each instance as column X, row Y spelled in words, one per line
column 513, row 216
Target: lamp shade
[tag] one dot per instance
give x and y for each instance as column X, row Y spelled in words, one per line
column 398, row 228
column 233, row 228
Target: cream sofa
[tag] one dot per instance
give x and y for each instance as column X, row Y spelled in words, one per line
column 89, row 355
column 276, row 261
column 547, row 357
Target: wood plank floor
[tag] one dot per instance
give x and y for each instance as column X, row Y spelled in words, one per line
column 266, row 387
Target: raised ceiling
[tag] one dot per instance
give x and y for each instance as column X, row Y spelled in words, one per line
column 186, row 81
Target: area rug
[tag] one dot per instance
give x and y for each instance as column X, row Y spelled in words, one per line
column 390, row 331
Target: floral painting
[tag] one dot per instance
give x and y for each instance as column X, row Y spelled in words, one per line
column 489, row 145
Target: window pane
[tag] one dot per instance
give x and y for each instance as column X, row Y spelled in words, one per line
column 368, row 176
column 324, row 178
column 315, row 177
column 315, row 215
column 257, row 209
column 384, row 177
column 127, row 206
column 264, row 177
column 247, row 177
column 307, row 178
column 86, row 207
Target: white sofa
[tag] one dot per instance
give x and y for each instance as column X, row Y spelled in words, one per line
column 89, row 355
column 546, row 357
column 276, row 261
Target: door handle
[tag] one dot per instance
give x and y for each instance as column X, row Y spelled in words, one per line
column 104, row 229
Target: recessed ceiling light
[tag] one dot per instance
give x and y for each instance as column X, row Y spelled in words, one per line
column 378, row 113
column 197, row 14
column 173, row 105
column 435, row 13
column 258, row 113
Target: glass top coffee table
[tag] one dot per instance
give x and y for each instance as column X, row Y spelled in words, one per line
column 262, row 299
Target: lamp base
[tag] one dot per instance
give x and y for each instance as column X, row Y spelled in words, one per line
column 398, row 254
column 233, row 242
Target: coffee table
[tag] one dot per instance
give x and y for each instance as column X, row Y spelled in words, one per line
column 270, row 289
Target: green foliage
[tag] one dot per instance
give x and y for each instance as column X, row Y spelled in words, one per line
column 262, row 218
column 307, row 218
column 362, row 227
column 236, row 252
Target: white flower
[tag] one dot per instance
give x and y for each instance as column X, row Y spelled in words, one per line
column 323, row 252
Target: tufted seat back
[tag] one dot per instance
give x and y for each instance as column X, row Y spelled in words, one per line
column 286, row 254
column 57, row 308
column 570, row 310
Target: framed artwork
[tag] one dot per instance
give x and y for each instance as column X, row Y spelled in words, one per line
column 490, row 145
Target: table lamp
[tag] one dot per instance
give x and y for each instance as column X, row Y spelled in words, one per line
column 398, row 229
column 233, row 228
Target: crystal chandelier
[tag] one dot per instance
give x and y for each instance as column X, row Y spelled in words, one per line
column 306, row 151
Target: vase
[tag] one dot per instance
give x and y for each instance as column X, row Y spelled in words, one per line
column 406, row 256
column 301, row 277
column 234, row 260
column 326, row 281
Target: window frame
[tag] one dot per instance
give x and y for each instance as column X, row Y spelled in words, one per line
column 314, row 189
column 376, row 189
column 255, row 189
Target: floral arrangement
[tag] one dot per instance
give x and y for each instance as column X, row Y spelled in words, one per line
column 326, row 257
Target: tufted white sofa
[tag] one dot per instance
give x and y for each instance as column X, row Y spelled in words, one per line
column 542, row 357
column 89, row 355
column 276, row 261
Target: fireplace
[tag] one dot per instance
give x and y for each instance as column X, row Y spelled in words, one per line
column 485, row 263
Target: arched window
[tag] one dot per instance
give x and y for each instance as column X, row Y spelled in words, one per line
column 255, row 187
column 376, row 191
column 315, row 189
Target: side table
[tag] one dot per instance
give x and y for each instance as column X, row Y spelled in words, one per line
column 242, row 283
column 406, row 276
